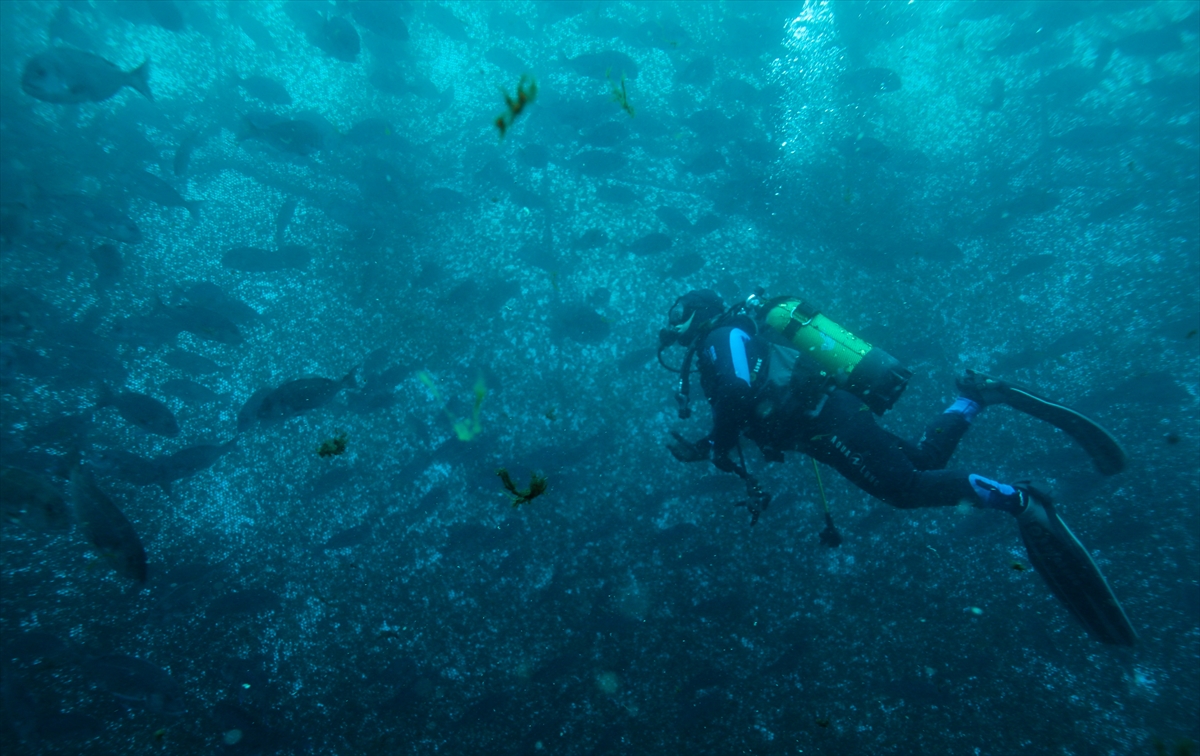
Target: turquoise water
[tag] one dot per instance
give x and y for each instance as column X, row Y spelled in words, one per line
column 1013, row 187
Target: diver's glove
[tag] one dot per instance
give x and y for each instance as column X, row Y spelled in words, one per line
column 757, row 501
column 685, row 451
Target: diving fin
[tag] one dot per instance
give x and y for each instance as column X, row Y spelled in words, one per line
column 1068, row 569
column 1105, row 451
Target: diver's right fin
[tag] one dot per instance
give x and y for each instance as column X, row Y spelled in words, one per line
column 1068, row 569
column 1105, row 451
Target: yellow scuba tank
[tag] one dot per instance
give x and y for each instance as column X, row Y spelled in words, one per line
column 842, row 358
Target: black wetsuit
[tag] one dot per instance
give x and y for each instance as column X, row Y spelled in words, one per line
column 836, row 427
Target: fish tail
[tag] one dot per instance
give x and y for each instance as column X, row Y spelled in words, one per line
column 193, row 208
column 139, row 79
column 349, row 381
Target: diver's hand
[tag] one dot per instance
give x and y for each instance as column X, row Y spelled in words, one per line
column 723, row 463
column 685, row 451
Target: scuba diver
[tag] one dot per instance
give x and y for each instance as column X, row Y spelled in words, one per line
column 785, row 376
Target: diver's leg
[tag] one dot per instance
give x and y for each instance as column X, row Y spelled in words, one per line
column 845, row 436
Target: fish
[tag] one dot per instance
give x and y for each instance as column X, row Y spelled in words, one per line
column 96, row 217
column 138, row 683
column 706, row 162
column 265, row 89
column 202, row 322
column 153, row 188
column 507, row 61
column 191, row 363
column 191, row 392
column 32, row 501
column 580, row 323
column 598, row 163
column 284, row 218
column 617, row 194
column 109, row 265
column 864, row 148
column 868, row 82
column 673, row 218
column 66, row 431
column 440, row 18
column 249, row 601
column 1114, row 206
column 145, row 412
column 338, row 38
column 251, row 26
column 1029, row 265
column 255, row 260
column 294, row 137
column 650, row 244
column 165, row 470
column 212, row 297
column 685, row 265
column 248, row 414
column 382, row 18
column 603, row 65
column 593, row 238
column 183, row 153
column 106, row 527
column 344, row 539
column 299, row 396
column 64, row 75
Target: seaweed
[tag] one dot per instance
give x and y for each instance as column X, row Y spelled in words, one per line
column 465, row 429
column 332, row 447
column 527, row 90
column 537, row 487
column 619, row 95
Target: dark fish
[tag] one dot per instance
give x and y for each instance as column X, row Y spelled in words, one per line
column 145, row 412
column 598, row 163
column 18, row 360
column 190, row 391
column 106, row 527
column 68, row 431
column 32, row 501
column 440, row 18
column 507, row 61
column 1068, row 83
column 283, row 219
column 995, row 96
column 864, row 148
column 347, row 538
column 35, row 646
column 381, row 17
column 604, row 65
column 295, row 137
column 579, row 322
column 636, row 360
column 441, row 199
column 593, row 238
column 1151, row 44
column 251, row 26
column 685, row 265
column 297, row 397
column 138, row 683
column 249, row 601
column 109, row 265
column 374, row 132
column 191, row 363
column 1114, row 206
column 96, row 217
column 339, row 39
column 706, row 162
column 1001, row 217
column 265, row 89
column 188, row 462
column 617, row 195
column 1157, row 389
column 1094, row 136
column 673, row 218
column 698, row 72
column 211, row 296
column 331, row 480
column 167, row 15
column 64, row 75
column 607, row 134
column 248, row 414
column 868, row 82
column 1029, row 265
column 650, row 244
column 159, row 192
column 254, row 260
column 183, row 153
column 162, row 471
column 202, row 322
